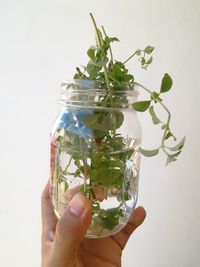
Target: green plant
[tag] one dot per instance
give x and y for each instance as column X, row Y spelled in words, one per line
column 114, row 75
column 102, row 170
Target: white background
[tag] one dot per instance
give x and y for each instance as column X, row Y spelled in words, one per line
column 41, row 43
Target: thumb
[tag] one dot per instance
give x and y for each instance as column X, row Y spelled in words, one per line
column 70, row 230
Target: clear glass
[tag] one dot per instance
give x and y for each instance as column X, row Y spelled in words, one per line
column 95, row 150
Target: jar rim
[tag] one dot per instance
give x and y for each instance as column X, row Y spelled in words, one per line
column 89, row 92
column 94, row 86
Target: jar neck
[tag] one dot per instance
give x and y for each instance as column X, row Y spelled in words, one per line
column 95, row 94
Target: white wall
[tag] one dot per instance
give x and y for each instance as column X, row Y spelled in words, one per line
column 41, row 43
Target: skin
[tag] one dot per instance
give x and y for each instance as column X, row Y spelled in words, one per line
column 63, row 242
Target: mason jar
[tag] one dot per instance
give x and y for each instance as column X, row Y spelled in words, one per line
column 95, row 150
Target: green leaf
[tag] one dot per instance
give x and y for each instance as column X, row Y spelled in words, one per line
column 138, row 52
column 90, row 119
column 127, row 77
column 91, row 52
column 148, row 49
column 164, row 126
column 155, row 96
column 110, row 218
column 77, row 76
column 149, row 153
column 114, row 39
column 92, row 69
column 108, row 121
column 104, row 121
column 179, row 146
column 141, row 106
column 102, row 62
column 172, row 157
column 149, row 61
column 166, row 83
column 107, row 176
column 117, row 72
column 154, row 117
column 143, row 61
column 119, row 118
column 168, row 135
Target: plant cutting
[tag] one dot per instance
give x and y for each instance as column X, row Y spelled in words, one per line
column 96, row 139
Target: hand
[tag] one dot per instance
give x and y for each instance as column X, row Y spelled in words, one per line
column 63, row 242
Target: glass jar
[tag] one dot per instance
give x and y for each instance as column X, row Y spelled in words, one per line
column 95, row 145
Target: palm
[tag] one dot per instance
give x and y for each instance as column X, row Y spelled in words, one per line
column 107, row 251
column 100, row 252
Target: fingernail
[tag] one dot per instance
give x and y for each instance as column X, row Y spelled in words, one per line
column 76, row 206
column 50, row 235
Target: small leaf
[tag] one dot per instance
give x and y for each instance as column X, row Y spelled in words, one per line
column 103, row 62
column 166, row 83
column 110, row 218
column 164, row 126
column 143, row 61
column 114, row 39
column 138, row 52
column 148, row 49
column 155, row 96
column 149, row 153
column 168, row 135
column 119, row 118
column 179, row 146
column 154, row 117
column 172, row 157
column 141, row 106
column 149, row 61
column 90, row 119
column 169, row 160
column 91, row 52
column 77, row 76
column 92, row 69
column 127, row 77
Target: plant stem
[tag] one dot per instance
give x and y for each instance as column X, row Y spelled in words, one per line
column 65, row 170
column 168, row 119
column 111, row 54
column 105, row 67
column 130, row 57
column 96, row 29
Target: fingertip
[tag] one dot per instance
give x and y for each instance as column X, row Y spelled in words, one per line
column 139, row 215
column 76, row 217
column 79, row 205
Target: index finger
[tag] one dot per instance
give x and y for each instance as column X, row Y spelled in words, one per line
column 49, row 219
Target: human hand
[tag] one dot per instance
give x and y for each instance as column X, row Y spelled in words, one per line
column 63, row 242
